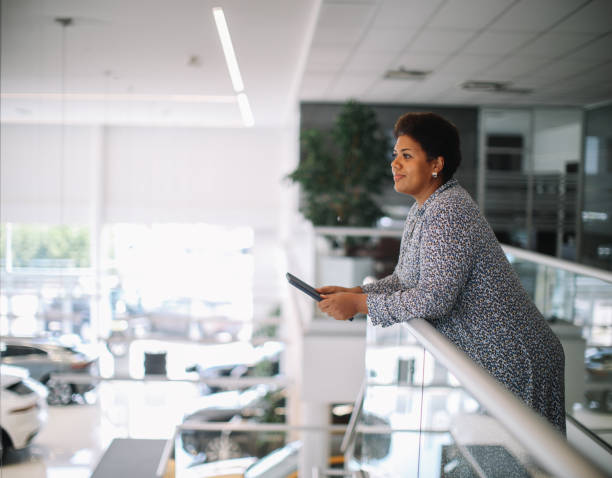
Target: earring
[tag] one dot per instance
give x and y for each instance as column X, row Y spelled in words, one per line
column 434, row 175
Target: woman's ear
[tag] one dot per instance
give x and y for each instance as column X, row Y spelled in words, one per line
column 439, row 164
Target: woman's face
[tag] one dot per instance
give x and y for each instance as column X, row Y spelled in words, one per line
column 412, row 173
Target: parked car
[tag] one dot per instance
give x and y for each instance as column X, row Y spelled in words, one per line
column 42, row 358
column 598, row 361
column 23, row 408
column 264, row 361
column 260, row 403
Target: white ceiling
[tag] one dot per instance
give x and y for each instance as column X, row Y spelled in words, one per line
column 128, row 62
column 560, row 49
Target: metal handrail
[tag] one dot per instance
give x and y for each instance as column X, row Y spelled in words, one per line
column 549, row 261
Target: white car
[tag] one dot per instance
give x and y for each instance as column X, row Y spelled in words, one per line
column 24, row 408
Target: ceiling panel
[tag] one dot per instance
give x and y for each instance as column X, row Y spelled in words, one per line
column 314, row 86
column 559, row 70
column 598, row 49
column 500, row 43
column 345, row 15
column 535, row 15
column 420, row 61
column 594, row 17
column 554, row 45
column 469, row 14
column 386, row 39
column 385, row 90
column 407, row 14
column 336, row 36
column 434, row 40
column 351, row 86
column 327, row 59
column 511, row 67
column 467, row 64
column 373, row 63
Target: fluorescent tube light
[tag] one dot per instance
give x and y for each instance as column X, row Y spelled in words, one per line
column 228, row 49
column 245, row 110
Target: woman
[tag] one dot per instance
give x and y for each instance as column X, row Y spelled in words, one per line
column 452, row 271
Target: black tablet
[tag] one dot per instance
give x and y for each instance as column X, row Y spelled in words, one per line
column 305, row 288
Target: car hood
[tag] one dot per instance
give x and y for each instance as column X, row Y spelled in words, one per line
column 213, row 404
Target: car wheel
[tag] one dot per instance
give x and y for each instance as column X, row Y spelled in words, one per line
column 60, row 393
column 191, row 443
column 222, row 448
column 5, row 444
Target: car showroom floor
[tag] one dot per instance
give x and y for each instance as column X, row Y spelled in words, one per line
column 76, row 436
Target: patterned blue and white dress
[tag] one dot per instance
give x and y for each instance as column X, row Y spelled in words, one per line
column 453, row 272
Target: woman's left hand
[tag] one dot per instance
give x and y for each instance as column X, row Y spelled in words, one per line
column 343, row 305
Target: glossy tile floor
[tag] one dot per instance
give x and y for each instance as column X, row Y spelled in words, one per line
column 76, row 436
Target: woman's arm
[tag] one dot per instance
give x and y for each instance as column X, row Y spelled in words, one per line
column 445, row 256
column 387, row 284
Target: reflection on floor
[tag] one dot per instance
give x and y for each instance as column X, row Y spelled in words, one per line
column 76, row 436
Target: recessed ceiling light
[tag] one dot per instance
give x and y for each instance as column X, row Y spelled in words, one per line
column 403, row 74
column 493, row 87
column 228, row 49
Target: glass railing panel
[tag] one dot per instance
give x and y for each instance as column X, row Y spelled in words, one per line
column 427, row 423
column 250, row 451
column 196, row 451
column 578, row 307
column 563, row 295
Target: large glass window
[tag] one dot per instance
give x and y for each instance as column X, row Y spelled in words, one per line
column 596, row 240
column 189, row 280
column 529, row 181
column 46, row 279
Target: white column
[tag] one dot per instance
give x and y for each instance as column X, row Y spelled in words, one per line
column 315, row 450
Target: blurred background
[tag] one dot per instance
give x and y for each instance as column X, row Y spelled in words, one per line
column 147, row 221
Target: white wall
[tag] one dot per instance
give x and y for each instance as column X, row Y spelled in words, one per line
column 46, row 173
column 219, row 176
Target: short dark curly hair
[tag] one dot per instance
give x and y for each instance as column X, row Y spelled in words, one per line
column 436, row 135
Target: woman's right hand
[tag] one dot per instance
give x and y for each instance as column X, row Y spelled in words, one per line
column 334, row 289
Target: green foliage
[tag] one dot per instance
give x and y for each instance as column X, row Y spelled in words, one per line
column 31, row 242
column 342, row 172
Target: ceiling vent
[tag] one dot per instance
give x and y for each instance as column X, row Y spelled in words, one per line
column 403, row 74
column 493, row 87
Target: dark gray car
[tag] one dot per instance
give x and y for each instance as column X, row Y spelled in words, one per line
column 43, row 359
